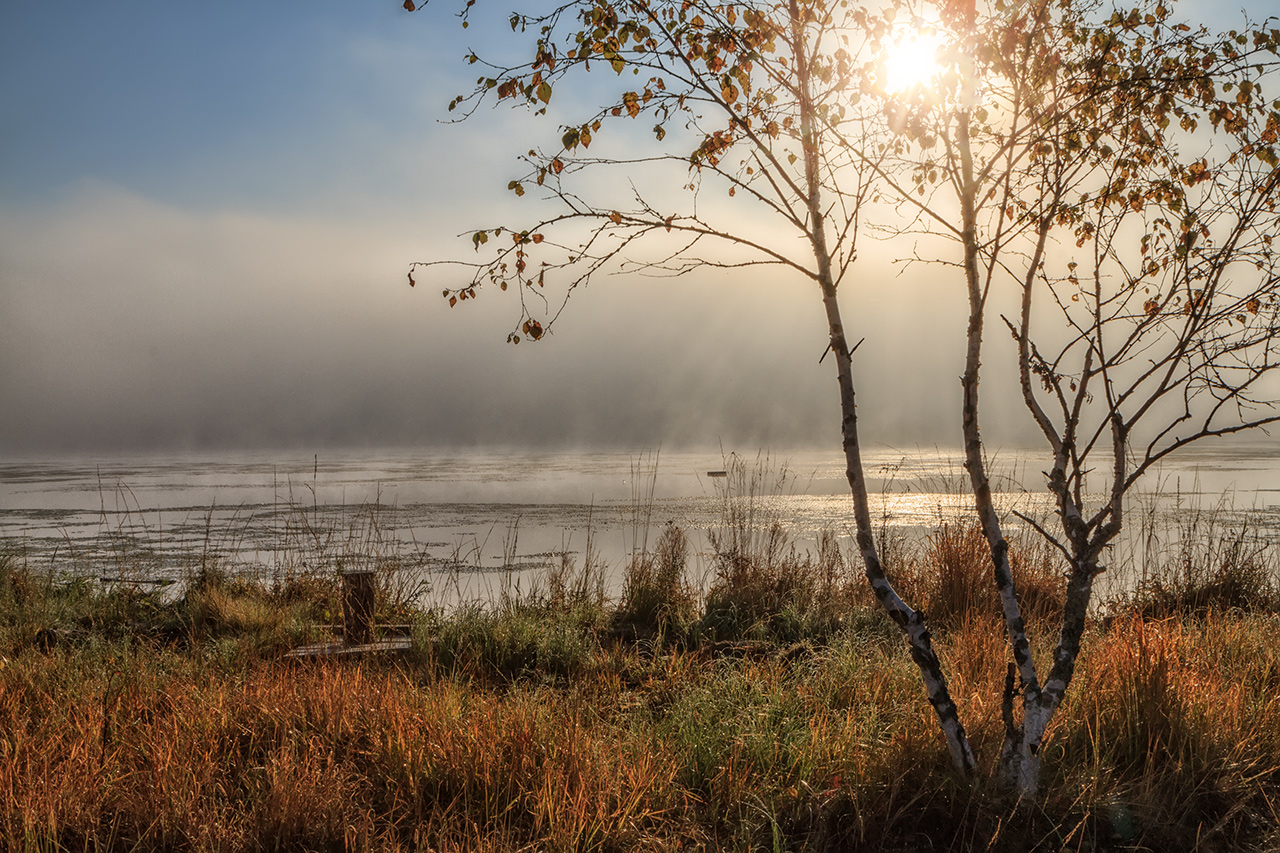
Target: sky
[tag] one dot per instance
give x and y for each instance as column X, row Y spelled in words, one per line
column 206, row 216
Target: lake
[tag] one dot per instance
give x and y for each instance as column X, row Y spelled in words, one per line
column 475, row 520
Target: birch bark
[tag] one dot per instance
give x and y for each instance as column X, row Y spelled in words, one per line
column 911, row 621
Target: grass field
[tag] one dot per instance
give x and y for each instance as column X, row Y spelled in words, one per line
column 775, row 709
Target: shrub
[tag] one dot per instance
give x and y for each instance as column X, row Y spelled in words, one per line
column 777, row 592
column 657, row 598
column 517, row 641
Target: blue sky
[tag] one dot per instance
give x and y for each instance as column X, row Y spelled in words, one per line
column 234, row 103
column 207, row 104
column 206, row 213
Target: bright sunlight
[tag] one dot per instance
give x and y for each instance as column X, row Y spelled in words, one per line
column 912, row 61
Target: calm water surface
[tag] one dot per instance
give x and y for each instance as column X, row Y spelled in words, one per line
column 469, row 519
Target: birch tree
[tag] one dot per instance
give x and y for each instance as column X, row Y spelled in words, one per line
column 1044, row 147
column 1116, row 172
column 767, row 103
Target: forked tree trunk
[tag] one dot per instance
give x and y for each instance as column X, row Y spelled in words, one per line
column 1023, row 670
column 1020, row 754
column 1019, row 757
column 911, row 621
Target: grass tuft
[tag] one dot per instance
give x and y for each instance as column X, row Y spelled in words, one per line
column 952, row 578
column 658, row 601
column 1198, row 562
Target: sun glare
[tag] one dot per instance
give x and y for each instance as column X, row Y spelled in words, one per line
column 912, row 61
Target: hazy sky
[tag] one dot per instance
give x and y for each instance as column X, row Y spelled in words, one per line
column 206, row 213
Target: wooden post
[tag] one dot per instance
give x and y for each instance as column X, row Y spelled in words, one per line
column 357, row 608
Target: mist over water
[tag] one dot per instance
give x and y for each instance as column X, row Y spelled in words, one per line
column 131, row 324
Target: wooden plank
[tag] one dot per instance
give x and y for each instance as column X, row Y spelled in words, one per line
column 342, row 650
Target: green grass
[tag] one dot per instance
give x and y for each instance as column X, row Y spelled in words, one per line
column 778, row 711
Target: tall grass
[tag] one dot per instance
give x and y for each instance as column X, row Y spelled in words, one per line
column 950, row 576
column 764, row 586
column 658, row 599
column 554, row 719
column 1194, row 561
column 1169, row 743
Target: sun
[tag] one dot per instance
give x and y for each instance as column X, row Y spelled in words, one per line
column 912, row 60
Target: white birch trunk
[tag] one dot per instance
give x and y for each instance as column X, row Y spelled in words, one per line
column 911, row 621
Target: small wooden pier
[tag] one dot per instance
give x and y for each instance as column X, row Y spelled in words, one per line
column 359, row 633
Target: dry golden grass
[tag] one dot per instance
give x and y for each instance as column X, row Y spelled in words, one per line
column 952, row 578
column 532, row 727
column 137, row 747
column 173, row 755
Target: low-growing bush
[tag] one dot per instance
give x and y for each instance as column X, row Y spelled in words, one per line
column 521, row 640
column 780, row 593
column 657, row 598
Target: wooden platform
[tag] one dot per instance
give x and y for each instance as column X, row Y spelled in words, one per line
column 358, row 628
column 394, row 645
